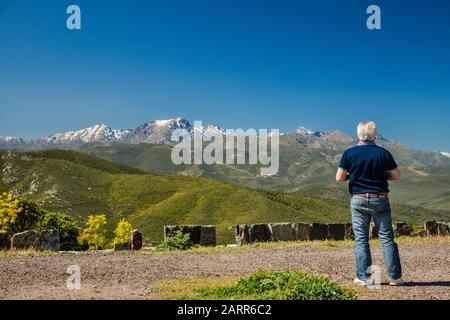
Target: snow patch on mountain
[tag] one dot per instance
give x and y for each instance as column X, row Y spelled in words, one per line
column 309, row 132
column 447, row 154
column 209, row 130
column 97, row 133
column 11, row 139
column 163, row 123
column 157, row 131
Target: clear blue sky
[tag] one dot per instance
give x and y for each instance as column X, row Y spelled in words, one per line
column 237, row 63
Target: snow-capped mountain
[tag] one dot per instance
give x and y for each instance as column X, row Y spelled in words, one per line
column 160, row 131
column 447, row 154
column 303, row 130
column 11, row 140
column 157, row 131
column 153, row 132
column 97, row 133
column 308, row 132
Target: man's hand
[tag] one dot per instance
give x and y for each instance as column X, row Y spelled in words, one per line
column 394, row 175
column 341, row 175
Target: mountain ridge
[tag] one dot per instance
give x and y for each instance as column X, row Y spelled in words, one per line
column 154, row 131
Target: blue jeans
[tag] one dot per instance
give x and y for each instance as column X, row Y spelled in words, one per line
column 378, row 208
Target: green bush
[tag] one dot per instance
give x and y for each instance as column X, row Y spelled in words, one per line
column 68, row 230
column 82, row 245
column 286, row 285
column 176, row 241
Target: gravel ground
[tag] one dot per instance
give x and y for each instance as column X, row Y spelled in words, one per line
column 128, row 275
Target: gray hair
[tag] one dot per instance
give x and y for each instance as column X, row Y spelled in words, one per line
column 367, row 131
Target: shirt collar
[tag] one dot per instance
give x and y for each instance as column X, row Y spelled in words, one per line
column 366, row 143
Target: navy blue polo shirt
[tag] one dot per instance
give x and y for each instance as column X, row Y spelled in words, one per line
column 367, row 165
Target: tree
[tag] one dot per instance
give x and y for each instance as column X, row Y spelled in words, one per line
column 122, row 232
column 95, row 231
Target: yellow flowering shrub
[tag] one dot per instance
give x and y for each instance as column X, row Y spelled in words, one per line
column 122, row 232
column 17, row 214
column 95, row 231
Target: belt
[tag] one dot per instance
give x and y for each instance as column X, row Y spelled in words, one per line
column 372, row 195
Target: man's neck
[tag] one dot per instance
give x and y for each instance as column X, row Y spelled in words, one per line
column 365, row 143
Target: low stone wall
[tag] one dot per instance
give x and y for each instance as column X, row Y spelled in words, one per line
column 202, row 235
column 251, row 233
column 205, row 235
column 50, row 240
column 287, row 231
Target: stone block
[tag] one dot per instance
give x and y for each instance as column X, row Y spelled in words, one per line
column 241, row 234
column 432, row 228
column 135, row 240
column 281, row 231
column 49, row 240
column 402, row 229
column 336, row 231
column 319, row 231
column 208, row 236
column 260, row 233
column 301, row 231
column 443, row 228
column 203, row 235
column 195, row 232
column 25, row 240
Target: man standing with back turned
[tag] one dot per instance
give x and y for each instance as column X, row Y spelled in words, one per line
column 368, row 168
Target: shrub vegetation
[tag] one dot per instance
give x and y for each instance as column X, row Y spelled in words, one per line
column 68, row 230
column 176, row 241
column 286, row 285
column 18, row 215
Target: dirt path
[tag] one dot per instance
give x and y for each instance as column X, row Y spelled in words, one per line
column 128, row 275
